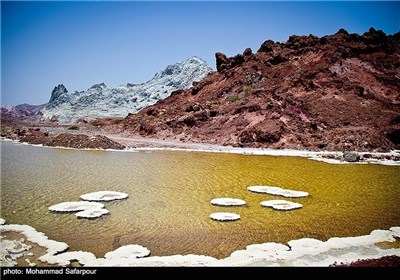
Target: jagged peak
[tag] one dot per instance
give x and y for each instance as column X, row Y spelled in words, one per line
column 57, row 92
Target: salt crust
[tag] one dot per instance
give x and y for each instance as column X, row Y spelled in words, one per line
column 300, row 252
column 84, row 209
column 226, row 201
column 224, row 216
column 104, row 196
column 277, row 191
column 281, row 204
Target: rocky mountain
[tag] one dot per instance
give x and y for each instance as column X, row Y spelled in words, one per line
column 337, row 92
column 19, row 112
column 101, row 101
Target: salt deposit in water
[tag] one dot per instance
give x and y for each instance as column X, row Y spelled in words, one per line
column 132, row 251
column 224, row 216
column 85, row 209
column 11, row 250
column 74, row 206
column 92, row 213
column 225, row 201
column 281, row 204
column 277, row 191
column 104, row 196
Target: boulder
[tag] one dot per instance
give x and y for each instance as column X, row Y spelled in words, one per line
column 268, row 131
column 247, row 52
column 351, row 156
column 222, row 61
column 267, row 46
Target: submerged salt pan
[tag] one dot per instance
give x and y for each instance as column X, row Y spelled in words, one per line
column 277, row 191
column 281, row 204
column 85, row 209
column 74, row 206
column 104, row 196
column 224, row 216
column 225, row 201
column 92, row 213
column 132, row 251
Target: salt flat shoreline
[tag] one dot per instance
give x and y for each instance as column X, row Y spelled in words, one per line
column 300, row 252
column 146, row 144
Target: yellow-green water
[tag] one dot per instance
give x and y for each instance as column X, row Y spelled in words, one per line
column 169, row 198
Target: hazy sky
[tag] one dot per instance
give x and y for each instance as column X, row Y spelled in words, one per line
column 79, row 44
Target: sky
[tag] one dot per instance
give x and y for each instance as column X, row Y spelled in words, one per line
column 80, row 44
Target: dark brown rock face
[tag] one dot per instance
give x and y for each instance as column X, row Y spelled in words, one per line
column 222, row 61
column 338, row 92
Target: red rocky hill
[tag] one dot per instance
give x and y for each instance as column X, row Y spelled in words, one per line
column 338, row 92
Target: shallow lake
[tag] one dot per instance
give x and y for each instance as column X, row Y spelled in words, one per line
column 169, row 198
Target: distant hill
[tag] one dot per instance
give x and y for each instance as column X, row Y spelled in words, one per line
column 337, row 92
column 20, row 112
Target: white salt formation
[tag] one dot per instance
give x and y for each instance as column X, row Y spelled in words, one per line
column 92, row 213
column 313, row 252
column 85, row 209
column 64, row 259
column 277, row 191
column 224, row 216
column 74, row 206
column 132, row 251
column 2, row 221
column 31, row 264
column 228, row 201
column 281, row 204
column 300, row 252
column 104, row 196
column 11, row 250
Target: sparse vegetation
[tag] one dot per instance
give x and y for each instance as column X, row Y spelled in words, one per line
column 237, row 97
column 247, row 89
column 118, row 121
column 73, row 127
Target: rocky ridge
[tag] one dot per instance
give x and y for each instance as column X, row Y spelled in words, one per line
column 337, row 92
column 101, row 101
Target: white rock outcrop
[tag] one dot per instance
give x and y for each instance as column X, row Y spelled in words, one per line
column 101, row 101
